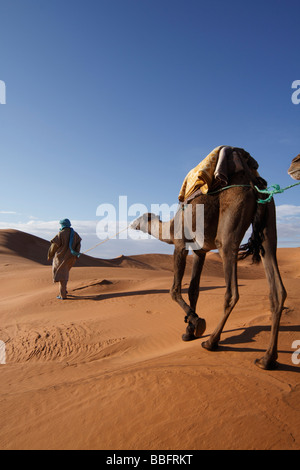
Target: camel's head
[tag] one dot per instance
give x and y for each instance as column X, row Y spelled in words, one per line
column 143, row 223
column 294, row 170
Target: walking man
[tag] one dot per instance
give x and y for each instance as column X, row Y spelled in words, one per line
column 64, row 250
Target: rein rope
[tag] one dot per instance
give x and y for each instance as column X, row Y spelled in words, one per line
column 270, row 191
column 104, row 241
column 74, row 253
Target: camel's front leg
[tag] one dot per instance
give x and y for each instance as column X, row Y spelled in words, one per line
column 196, row 326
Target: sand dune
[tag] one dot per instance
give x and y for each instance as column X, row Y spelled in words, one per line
column 107, row 369
column 32, row 248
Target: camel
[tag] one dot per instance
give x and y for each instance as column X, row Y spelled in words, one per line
column 227, row 216
column 294, row 170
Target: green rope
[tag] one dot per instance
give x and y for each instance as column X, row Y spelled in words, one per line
column 228, row 187
column 274, row 189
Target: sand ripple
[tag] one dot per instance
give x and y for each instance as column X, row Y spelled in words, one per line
column 71, row 343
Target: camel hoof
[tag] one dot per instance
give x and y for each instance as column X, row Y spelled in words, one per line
column 265, row 364
column 188, row 337
column 209, row 346
column 200, row 327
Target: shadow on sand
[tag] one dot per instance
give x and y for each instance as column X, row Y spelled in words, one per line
column 113, row 295
column 246, row 335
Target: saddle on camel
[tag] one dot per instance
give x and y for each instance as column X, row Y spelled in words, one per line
column 215, row 170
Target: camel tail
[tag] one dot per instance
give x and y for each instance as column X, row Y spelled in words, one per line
column 254, row 247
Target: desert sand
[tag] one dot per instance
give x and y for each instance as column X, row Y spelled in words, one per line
column 107, row 369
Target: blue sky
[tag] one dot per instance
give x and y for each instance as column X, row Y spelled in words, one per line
column 123, row 97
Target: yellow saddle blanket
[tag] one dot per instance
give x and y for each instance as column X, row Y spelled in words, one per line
column 201, row 176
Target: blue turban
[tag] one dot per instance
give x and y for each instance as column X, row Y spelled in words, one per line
column 65, row 223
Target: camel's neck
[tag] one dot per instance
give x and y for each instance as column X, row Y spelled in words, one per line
column 164, row 231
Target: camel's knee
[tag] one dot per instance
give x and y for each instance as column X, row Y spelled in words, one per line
column 231, row 299
column 175, row 294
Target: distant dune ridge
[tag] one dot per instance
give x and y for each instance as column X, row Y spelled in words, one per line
column 107, row 369
column 33, row 248
column 24, row 245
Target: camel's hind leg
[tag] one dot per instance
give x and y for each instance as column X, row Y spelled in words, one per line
column 277, row 290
